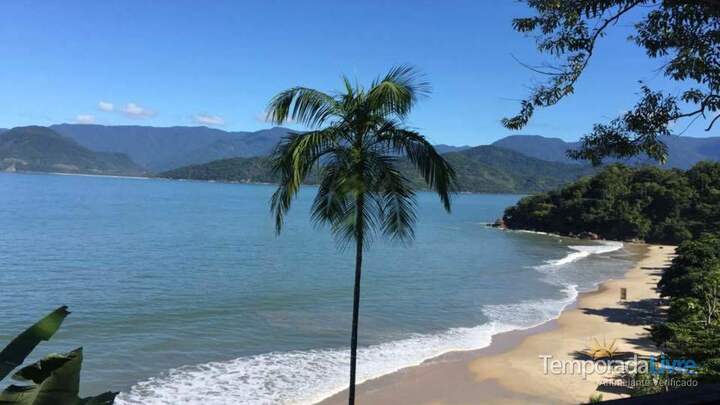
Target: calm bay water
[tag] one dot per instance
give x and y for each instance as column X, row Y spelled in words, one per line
column 180, row 292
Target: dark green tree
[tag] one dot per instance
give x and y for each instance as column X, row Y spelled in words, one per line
column 692, row 284
column 356, row 141
column 683, row 34
column 649, row 203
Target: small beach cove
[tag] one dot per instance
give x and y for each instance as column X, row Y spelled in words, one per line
column 510, row 371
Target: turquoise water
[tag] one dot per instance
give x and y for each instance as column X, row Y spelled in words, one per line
column 180, row 292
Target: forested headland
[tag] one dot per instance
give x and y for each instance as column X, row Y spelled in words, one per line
column 624, row 203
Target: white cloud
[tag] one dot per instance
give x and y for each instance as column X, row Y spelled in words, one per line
column 85, row 119
column 106, row 106
column 207, row 119
column 133, row 110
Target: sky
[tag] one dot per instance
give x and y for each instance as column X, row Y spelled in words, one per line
column 218, row 63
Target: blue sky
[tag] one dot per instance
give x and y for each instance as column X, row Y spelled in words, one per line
column 183, row 62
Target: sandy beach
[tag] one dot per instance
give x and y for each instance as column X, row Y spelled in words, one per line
column 511, row 370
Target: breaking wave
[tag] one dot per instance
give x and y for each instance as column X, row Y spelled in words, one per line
column 306, row 377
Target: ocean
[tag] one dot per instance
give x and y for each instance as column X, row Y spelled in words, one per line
column 181, row 292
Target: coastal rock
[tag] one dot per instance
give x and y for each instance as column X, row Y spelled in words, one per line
column 588, row 235
column 499, row 223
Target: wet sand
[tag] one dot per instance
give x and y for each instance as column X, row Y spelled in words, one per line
column 510, row 371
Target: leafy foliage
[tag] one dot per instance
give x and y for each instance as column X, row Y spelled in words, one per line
column 234, row 170
column 684, row 34
column 596, row 398
column 361, row 188
column 53, row 380
column 692, row 284
column 15, row 353
column 622, row 203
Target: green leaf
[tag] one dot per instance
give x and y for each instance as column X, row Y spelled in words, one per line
column 107, row 398
column 15, row 353
column 57, row 382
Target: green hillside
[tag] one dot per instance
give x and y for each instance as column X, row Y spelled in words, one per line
column 235, row 170
column 494, row 170
column 480, row 169
column 42, row 149
column 649, row 203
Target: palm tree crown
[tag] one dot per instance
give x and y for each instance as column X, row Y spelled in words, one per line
column 356, row 141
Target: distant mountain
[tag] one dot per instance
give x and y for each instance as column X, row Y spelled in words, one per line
column 164, row 148
column 539, row 147
column 497, row 170
column 479, row 169
column 42, row 149
column 442, row 148
column 683, row 151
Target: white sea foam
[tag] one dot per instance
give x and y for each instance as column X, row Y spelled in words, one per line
column 528, row 314
column 300, row 377
column 580, row 252
column 305, row 377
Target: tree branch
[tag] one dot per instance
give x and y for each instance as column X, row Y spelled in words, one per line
column 712, row 122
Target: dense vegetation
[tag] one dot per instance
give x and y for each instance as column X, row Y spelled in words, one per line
column 682, row 35
column 234, row 170
column 481, row 169
column 621, row 203
column 691, row 331
column 42, row 149
column 692, row 284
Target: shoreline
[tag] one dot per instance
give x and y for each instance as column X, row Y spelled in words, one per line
column 261, row 183
column 509, row 369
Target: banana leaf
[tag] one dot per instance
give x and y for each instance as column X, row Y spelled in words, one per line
column 15, row 353
column 54, row 380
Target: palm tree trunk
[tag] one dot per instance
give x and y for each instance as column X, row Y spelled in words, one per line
column 356, row 295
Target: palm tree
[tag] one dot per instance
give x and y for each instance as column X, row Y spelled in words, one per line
column 356, row 142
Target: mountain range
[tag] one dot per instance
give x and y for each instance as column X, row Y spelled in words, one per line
column 519, row 163
column 42, row 149
column 485, row 169
column 683, row 151
column 164, row 148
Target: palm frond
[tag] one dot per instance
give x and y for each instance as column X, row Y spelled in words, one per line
column 397, row 92
column 343, row 184
column 293, row 159
column 306, row 106
column 435, row 170
column 393, row 194
column 332, row 201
